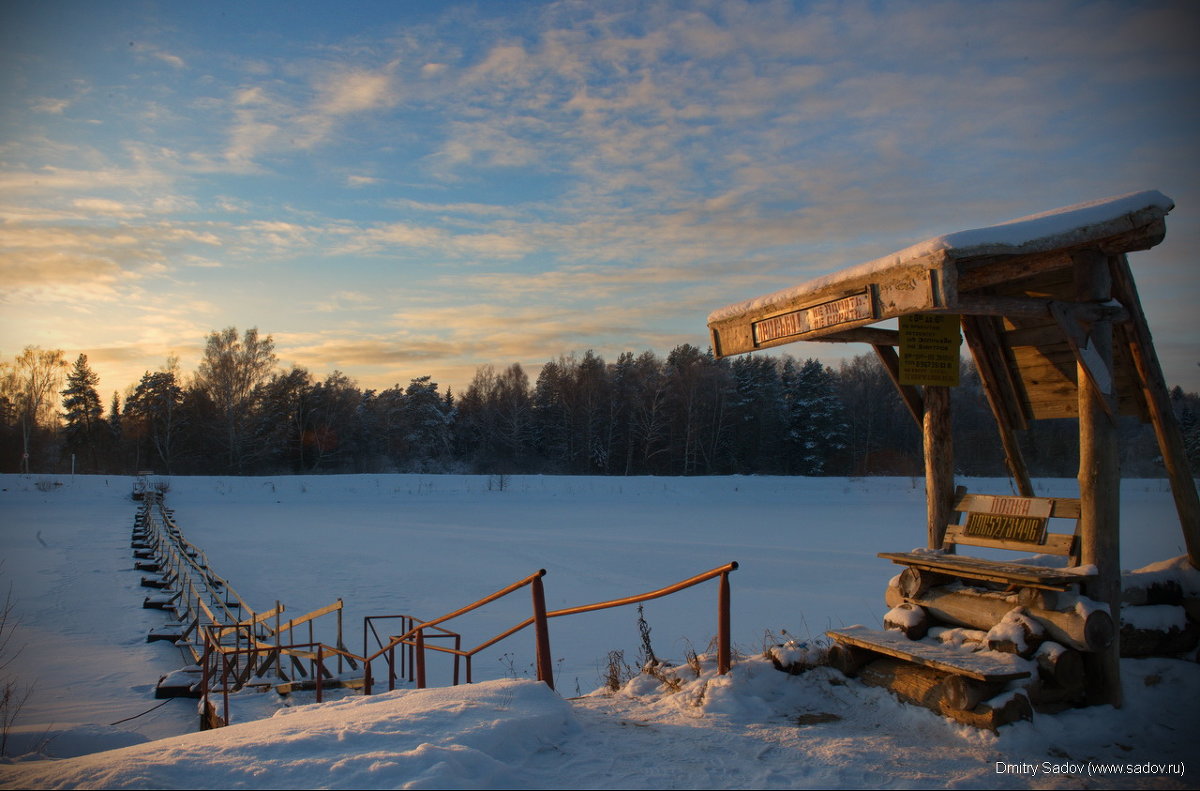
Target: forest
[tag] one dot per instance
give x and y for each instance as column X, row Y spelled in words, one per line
column 240, row 413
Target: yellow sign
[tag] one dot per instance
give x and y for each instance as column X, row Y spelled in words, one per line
column 929, row 349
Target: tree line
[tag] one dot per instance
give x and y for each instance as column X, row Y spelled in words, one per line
column 686, row 413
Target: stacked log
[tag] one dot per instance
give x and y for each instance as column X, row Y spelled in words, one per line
column 1075, row 621
column 1160, row 616
column 1054, row 630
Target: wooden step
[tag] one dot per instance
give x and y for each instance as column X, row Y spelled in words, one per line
column 987, row 666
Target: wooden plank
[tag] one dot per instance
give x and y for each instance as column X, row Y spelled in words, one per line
column 990, row 570
column 872, row 335
column 979, row 665
column 981, row 273
column 1059, row 507
column 1055, row 543
column 1034, row 335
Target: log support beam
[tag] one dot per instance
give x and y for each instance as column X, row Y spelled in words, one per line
column 1099, row 477
column 939, row 463
column 1136, row 336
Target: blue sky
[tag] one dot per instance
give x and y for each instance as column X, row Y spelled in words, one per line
column 394, row 189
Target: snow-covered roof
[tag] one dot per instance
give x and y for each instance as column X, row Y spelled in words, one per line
column 1060, row 228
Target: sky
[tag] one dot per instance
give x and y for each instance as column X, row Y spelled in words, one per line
column 400, row 189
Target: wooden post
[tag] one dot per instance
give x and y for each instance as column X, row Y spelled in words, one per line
column 724, row 651
column 939, row 463
column 1099, row 480
column 320, row 666
column 278, row 653
column 545, row 667
column 420, row 658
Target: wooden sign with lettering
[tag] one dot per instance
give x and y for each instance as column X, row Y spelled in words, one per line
column 828, row 314
column 1021, row 519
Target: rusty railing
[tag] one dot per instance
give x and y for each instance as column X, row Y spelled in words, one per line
column 417, row 643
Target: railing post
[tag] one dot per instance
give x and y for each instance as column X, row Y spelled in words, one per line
column 545, row 668
column 723, row 650
column 411, row 649
column 204, row 682
column 320, row 665
column 225, row 686
column 366, row 675
column 420, row 659
column 278, row 654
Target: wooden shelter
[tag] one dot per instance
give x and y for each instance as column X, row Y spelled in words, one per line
column 1050, row 312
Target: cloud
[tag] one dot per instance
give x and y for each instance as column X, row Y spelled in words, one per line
column 362, row 181
column 54, row 179
column 347, row 301
column 355, row 92
column 169, row 59
column 51, row 106
column 392, row 236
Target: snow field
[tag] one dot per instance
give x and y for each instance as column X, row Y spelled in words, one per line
column 428, row 544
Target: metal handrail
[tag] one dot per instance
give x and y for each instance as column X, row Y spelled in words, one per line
column 415, row 637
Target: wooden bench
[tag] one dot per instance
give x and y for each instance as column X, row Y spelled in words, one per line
column 1003, row 522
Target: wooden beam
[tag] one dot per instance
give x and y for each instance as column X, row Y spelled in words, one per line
column 1136, row 334
column 983, row 271
column 1099, row 481
column 871, row 335
column 984, row 341
column 1088, row 360
column 908, row 393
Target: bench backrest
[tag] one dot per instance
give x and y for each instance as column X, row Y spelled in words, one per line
column 1016, row 523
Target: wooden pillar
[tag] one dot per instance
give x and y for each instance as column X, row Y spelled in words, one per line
column 939, row 462
column 1099, row 479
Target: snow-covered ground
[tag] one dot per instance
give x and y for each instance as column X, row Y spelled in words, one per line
column 426, row 545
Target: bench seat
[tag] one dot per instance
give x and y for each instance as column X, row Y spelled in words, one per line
column 1044, row 577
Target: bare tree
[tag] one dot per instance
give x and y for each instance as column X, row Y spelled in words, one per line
column 12, row 694
column 28, row 383
column 229, row 373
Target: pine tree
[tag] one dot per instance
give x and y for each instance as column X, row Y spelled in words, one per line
column 84, row 426
column 817, row 426
column 156, row 404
